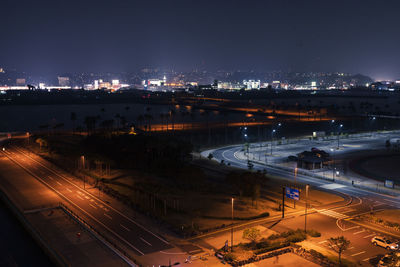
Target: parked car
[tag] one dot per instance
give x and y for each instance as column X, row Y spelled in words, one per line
column 384, row 242
column 391, row 259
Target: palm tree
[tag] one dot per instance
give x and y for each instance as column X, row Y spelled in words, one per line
column 90, row 122
column 73, row 119
column 172, row 115
column 162, row 121
column 140, row 120
column 118, row 117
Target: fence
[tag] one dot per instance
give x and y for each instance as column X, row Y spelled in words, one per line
column 100, row 236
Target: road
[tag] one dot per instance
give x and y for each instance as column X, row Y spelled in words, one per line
column 329, row 220
column 140, row 240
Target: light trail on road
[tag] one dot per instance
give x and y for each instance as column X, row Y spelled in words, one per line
column 122, row 227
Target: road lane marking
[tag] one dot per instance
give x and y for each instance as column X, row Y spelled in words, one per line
column 369, row 235
column 110, row 206
column 323, row 242
column 359, row 253
column 108, row 216
column 126, row 228
column 77, row 206
column 69, row 190
column 59, row 183
column 93, row 206
column 332, row 213
column 80, row 197
column 359, row 232
column 351, row 248
column 51, row 178
column 145, row 242
column 351, row 228
column 366, row 259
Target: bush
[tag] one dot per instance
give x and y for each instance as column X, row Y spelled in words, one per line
column 296, row 237
column 317, row 254
column 229, row 257
column 272, row 246
column 313, row 233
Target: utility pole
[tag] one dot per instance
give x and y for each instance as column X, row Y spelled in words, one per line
column 283, row 202
column 305, row 210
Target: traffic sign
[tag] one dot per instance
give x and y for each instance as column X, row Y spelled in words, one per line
column 292, row 193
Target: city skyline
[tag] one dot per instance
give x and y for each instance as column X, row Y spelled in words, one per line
column 67, row 36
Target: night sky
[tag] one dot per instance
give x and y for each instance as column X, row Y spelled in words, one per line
column 126, row 35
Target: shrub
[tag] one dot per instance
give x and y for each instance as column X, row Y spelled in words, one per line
column 313, row 233
column 229, row 257
column 251, row 234
column 296, row 237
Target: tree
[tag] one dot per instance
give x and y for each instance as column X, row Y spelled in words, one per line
column 255, row 194
column 41, row 142
column 73, row 119
column 339, row 245
column 90, row 122
column 252, row 234
column 391, row 260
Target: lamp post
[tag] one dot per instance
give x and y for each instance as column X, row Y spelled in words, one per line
column 232, row 227
column 305, row 210
column 83, row 167
column 272, row 138
column 333, row 167
column 338, row 137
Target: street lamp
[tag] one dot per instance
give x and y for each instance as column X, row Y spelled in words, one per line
column 305, row 210
column 272, row 138
column 83, row 166
column 333, row 167
column 232, row 227
column 338, row 137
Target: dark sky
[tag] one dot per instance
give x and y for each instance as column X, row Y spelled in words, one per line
column 357, row 36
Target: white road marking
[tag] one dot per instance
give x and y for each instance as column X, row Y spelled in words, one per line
column 93, row 206
column 69, row 190
column 323, row 242
column 359, row 232
column 332, row 186
column 351, row 228
column 366, row 259
column 51, row 178
column 359, row 253
column 369, row 235
column 332, row 213
column 59, row 183
column 145, row 242
column 126, row 228
column 80, row 197
column 63, row 177
column 108, row 216
column 351, row 248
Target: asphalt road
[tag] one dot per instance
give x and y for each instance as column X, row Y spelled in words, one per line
column 330, row 220
column 139, row 239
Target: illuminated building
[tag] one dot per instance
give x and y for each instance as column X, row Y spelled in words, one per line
column 63, row 81
column 251, row 84
column 21, row 81
column 229, row 86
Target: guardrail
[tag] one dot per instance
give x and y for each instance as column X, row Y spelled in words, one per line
column 100, row 236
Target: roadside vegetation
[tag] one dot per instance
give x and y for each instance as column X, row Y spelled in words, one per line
column 258, row 245
column 157, row 175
